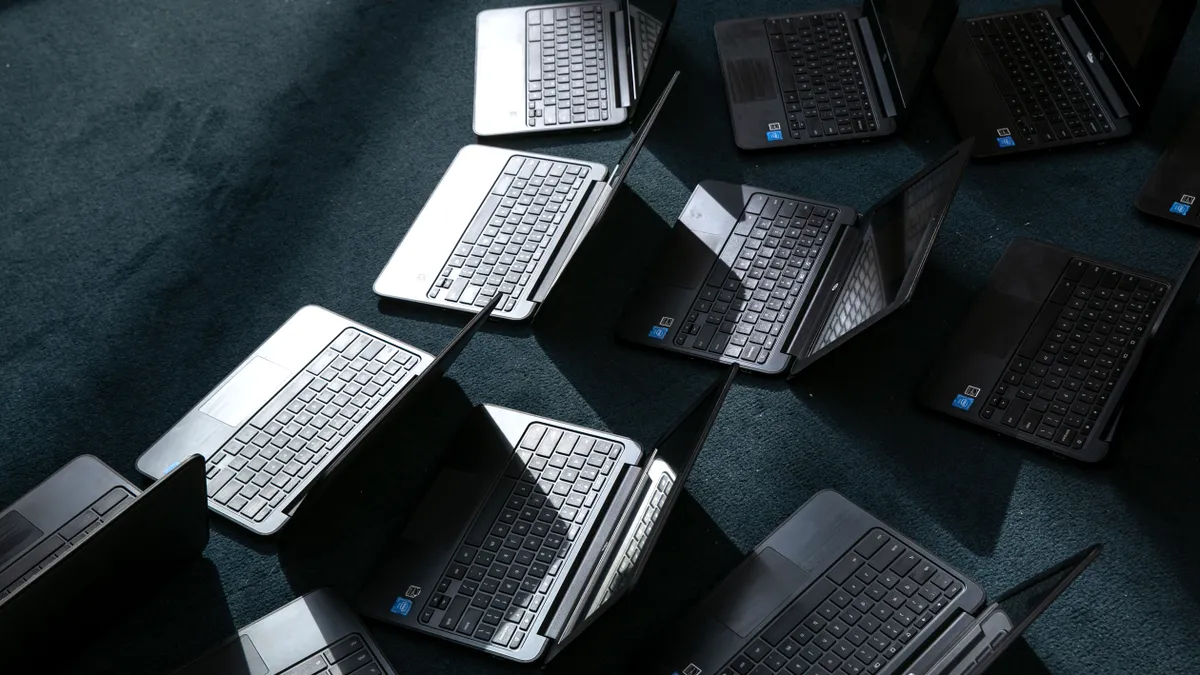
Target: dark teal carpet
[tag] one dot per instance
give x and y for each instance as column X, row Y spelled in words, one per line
column 179, row 176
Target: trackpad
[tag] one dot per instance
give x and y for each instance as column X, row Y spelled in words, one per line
column 689, row 257
column 236, row 658
column 756, row 590
column 16, row 534
column 997, row 323
column 248, row 391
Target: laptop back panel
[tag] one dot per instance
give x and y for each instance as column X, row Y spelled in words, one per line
column 1172, row 189
column 910, row 33
column 897, row 236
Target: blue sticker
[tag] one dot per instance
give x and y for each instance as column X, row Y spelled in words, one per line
column 963, row 402
column 1180, row 208
column 774, row 135
column 169, row 468
column 1006, row 142
column 402, row 606
column 658, row 332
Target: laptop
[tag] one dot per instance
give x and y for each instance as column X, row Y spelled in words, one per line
column 1083, row 72
column 773, row 282
column 316, row 634
column 533, row 529
column 836, row 590
column 504, row 222
column 294, row 410
column 564, row 66
column 73, row 537
column 1049, row 348
column 1171, row 191
column 828, row 76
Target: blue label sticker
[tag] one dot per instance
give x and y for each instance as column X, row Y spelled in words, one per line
column 1180, row 208
column 658, row 332
column 963, row 402
column 169, row 468
column 774, row 135
column 1006, row 142
column 402, row 606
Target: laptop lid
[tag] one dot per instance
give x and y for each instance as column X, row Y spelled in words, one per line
column 1134, row 41
column 909, row 34
column 161, row 528
column 646, row 22
column 897, row 235
column 605, row 196
column 1173, row 187
column 678, row 448
column 1027, row 601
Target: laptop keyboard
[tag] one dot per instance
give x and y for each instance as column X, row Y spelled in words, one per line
column 861, row 297
column 856, row 618
column 650, row 509
column 502, row 575
column 279, row 448
column 566, row 73
column 61, row 541
column 752, row 289
column 1063, row 374
column 1044, row 91
column 820, row 76
column 346, row 656
column 510, row 232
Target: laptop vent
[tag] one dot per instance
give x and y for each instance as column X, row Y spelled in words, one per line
column 750, row 80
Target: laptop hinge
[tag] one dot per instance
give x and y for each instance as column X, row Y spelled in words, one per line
column 949, row 641
column 881, row 82
column 623, row 69
column 1098, row 74
column 575, row 230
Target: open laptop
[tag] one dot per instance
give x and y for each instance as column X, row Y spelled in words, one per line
column 773, row 282
column 1045, row 77
column 88, row 535
column 836, row 590
column 533, row 529
column 504, row 222
column 835, row 75
column 1050, row 347
column 294, row 410
column 313, row 635
column 1171, row 190
column 564, row 66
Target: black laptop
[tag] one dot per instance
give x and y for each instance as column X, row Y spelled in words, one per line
column 835, row 75
column 773, row 282
column 836, row 590
column 87, row 537
column 1171, row 191
column 1047, row 352
column 1046, row 77
column 533, row 529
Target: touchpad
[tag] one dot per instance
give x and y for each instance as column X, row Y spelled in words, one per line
column 755, row 591
column 997, row 323
column 16, row 535
column 236, row 658
column 689, row 257
column 248, row 391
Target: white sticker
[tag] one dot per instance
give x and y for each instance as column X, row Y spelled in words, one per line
column 412, row 592
column 973, row 392
column 1003, row 131
column 774, row 126
column 1187, row 199
column 666, row 322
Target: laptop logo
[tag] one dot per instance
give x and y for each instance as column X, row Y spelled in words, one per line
column 1180, row 208
column 971, row 391
column 692, row 669
column 402, row 606
column 1091, row 58
column 412, row 592
column 658, row 332
column 963, row 402
column 666, row 322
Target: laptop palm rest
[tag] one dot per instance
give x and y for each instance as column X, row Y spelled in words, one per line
column 756, row 590
column 236, row 658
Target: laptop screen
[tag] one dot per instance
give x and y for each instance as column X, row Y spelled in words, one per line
column 1138, row 40
column 897, row 235
column 647, row 21
column 911, row 33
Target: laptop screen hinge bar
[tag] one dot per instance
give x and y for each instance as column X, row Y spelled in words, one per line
column 881, row 81
column 1089, row 61
column 622, row 66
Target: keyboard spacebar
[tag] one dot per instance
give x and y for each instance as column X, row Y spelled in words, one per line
column 271, row 409
column 481, row 217
column 487, row 515
column 786, row 622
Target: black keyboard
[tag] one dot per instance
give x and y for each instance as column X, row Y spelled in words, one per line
column 820, row 76
column 510, row 233
column 1043, row 89
column 504, row 572
column 60, row 542
column 566, row 69
column 752, row 290
column 346, row 656
column 1062, row 376
column 856, row 618
column 277, row 451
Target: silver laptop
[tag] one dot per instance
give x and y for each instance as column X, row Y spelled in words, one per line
column 293, row 410
column 564, row 66
column 502, row 222
column 312, row 635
